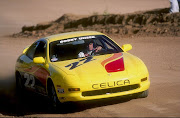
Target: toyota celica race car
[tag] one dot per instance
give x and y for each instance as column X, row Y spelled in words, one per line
column 78, row 66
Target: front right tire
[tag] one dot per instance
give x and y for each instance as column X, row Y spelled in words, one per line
column 144, row 94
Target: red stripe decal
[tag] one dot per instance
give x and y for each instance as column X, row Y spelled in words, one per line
column 116, row 55
column 42, row 74
column 115, row 66
column 32, row 69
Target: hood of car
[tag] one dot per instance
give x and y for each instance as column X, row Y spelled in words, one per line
column 116, row 66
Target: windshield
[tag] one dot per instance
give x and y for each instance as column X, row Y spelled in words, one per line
column 79, row 47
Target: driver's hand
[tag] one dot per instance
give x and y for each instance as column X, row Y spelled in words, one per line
column 86, row 55
column 98, row 48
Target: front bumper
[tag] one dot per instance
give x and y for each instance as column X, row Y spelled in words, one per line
column 80, row 96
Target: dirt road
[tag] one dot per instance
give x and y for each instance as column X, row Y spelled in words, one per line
column 160, row 54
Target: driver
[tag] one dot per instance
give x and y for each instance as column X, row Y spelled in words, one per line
column 90, row 51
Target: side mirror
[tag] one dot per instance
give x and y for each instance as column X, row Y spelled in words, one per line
column 39, row 60
column 25, row 49
column 127, row 47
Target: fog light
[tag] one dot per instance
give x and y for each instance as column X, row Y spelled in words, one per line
column 74, row 89
column 144, row 79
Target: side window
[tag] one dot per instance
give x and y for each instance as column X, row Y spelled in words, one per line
column 111, row 45
column 98, row 42
column 40, row 50
column 31, row 50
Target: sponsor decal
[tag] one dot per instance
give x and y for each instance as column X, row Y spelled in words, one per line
column 60, row 90
column 78, row 38
column 111, row 84
column 68, row 40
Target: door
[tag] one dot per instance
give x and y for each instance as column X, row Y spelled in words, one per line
column 35, row 75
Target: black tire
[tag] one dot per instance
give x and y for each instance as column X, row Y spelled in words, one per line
column 20, row 96
column 19, row 85
column 144, row 94
column 53, row 99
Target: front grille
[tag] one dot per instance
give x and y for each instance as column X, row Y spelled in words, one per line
column 110, row 90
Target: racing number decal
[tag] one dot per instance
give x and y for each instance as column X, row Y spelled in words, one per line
column 30, row 80
column 76, row 64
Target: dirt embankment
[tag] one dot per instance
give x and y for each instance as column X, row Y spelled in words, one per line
column 157, row 22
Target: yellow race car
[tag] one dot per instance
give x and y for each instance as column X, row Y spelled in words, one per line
column 78, row 66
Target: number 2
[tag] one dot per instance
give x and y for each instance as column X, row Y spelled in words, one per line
column 28, row 79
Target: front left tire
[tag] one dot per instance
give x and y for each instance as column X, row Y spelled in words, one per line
column 19, row 84
column 53, row 99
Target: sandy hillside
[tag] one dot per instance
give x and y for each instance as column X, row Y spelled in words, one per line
column 15, row 14
column 158, row 22
column 159, row 53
